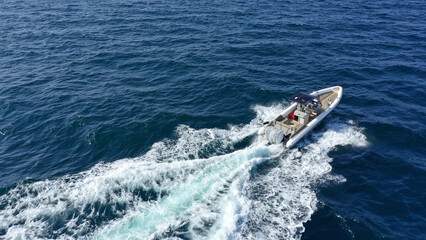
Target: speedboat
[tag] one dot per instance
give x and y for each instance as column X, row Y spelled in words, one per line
column 305, row 112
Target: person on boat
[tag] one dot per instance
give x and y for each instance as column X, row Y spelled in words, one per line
column 316, row 106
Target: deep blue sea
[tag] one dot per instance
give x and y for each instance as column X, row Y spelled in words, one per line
column 127, row 119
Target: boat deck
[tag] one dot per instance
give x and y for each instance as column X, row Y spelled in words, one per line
column 327, row 99
column 292, row 127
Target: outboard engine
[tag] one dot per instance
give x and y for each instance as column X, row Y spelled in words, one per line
column 273, row 135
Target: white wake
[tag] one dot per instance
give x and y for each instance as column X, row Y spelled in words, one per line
column 195, row 187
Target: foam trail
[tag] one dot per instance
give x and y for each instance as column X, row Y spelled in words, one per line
column 201, row 188
column 284, row 198
column 194, row 187
column 75, row 205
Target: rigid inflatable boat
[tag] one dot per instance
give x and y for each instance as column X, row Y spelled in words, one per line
column 306, row 111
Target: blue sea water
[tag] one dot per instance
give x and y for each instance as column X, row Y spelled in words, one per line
column 138, row 119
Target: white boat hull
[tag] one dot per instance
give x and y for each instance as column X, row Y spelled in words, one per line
column 314, row 122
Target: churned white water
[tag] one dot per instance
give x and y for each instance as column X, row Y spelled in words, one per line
column 182, row 189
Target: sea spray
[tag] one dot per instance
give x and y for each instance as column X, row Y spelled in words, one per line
column 284, row 198
column 205, row 189
column 174, row 191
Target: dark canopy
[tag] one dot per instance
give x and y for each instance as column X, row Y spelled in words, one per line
column 301, row 98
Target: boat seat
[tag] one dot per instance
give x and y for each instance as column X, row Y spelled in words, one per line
column 288, row 126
